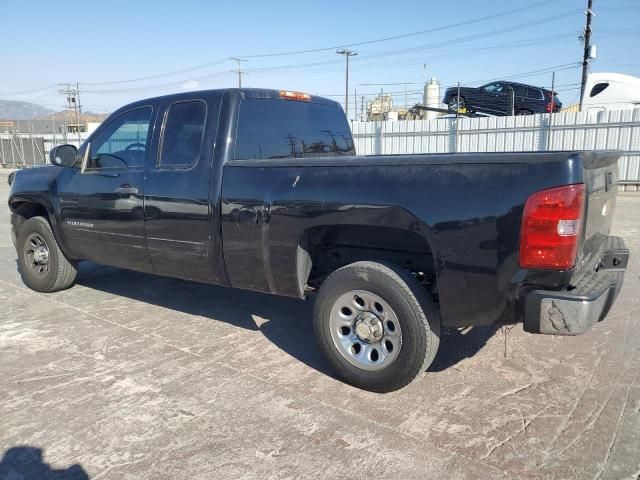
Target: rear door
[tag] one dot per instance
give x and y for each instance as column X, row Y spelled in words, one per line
column 536, row 101
column 177, row 212
column 101, row 206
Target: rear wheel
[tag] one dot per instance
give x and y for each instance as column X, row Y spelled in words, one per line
column 376, row 325
column 42, row 264
column 524, row 112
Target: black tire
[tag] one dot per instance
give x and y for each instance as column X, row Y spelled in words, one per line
column 453, row 102
column 59, row 273
column 418, row 318
column 523, row 112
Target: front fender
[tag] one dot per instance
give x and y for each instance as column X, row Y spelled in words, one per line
column 38, row 187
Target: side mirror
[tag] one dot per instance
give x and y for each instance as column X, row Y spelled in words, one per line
column 63, row 155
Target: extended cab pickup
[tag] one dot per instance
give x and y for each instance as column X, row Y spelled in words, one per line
column 261, row 190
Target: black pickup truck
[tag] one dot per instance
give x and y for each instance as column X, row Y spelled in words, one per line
column 261, row 190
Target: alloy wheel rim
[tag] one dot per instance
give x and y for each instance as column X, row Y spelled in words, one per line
column 36, row 255
column 365, row 330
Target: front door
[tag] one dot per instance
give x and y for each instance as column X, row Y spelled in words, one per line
column 102, row 204
column 497, row 99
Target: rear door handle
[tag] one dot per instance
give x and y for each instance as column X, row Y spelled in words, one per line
column 126, row 190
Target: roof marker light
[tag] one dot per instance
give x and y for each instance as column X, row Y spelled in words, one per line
column 289, row 95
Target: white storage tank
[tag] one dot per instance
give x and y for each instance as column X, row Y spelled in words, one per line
column 431, row 98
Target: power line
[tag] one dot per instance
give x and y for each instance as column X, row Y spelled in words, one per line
column 404, row 35
column 299, row 66
column 162, row 86
column 160, row 75
column 445, row 43
column 315, row 50
column 541, row 71
column 47, row 87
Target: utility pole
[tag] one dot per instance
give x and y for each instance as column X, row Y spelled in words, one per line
column 553, row 105
column 239, row 71
column 78, row 93
column 73, row 102
column 347, row 54
column 587, row 51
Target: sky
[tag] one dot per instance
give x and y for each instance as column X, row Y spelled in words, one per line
column 121, row 51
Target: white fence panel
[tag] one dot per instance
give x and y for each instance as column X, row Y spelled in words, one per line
column 616, row 130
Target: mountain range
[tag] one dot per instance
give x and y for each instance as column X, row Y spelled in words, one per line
column 16, row 110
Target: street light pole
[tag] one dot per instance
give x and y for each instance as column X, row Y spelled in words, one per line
column 347, row 54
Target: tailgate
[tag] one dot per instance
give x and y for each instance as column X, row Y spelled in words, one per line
column 601, row 182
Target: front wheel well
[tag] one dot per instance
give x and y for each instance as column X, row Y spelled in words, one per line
column 21, row 212
column 29, row 209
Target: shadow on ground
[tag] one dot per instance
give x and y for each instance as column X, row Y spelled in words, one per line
column 26, row 463
column 459, row 344
column 292, row 331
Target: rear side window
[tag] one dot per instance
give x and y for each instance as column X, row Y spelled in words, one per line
column 520, row 90
column 183, row 134
column 534, row 93
column 271, row 128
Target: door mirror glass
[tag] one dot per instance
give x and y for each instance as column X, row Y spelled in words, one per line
column 63, row 155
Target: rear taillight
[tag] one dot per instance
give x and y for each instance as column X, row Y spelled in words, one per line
column 551, row 226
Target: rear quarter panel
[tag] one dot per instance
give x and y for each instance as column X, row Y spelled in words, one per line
column 468, row 211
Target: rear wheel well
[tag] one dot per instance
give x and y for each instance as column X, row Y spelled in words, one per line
column 322, row 250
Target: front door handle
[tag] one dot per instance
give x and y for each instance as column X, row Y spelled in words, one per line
column 126, row 190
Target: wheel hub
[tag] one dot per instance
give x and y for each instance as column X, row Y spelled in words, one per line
column 368, row 327
column 41, row 255
column 365, row 330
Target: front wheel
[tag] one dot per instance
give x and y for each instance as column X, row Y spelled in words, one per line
column 455, row 105
column 376, row 325
column 42, row 264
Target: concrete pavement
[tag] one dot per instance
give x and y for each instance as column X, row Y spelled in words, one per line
column 129, row 375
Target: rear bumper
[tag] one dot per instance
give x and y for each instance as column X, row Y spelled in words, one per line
column 574, row 311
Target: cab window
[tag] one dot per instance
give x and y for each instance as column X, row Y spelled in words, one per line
column 281, row 129
column 519, row 90
column 122, row 143
column 183, row 134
